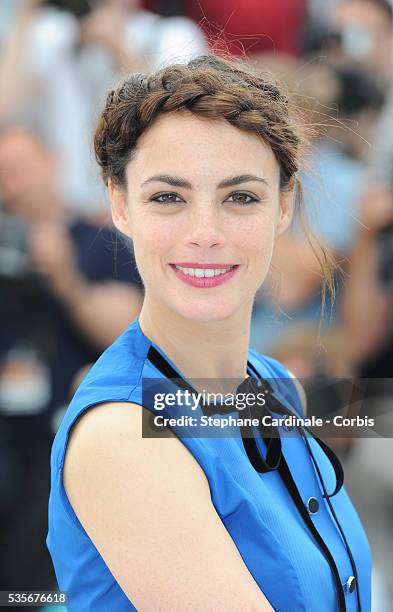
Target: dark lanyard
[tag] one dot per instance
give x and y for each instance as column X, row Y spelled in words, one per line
column 290, row 484
column 275, row 459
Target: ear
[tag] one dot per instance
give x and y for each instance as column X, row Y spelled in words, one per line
column 119, row 208
column 286, row 207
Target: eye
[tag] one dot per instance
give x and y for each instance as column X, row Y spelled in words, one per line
column 242, row 198
column 167, row 197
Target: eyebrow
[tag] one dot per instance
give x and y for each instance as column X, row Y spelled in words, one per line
column 231, row 181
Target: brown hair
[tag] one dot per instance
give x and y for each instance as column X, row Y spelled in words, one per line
column 214, row 88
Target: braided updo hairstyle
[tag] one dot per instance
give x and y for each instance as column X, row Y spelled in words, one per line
column 215, row 88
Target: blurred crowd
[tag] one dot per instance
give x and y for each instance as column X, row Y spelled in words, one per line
column 69, row 284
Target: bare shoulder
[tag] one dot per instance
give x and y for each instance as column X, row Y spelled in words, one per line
column 109, row 436
column 106, row 427
column 146, row 505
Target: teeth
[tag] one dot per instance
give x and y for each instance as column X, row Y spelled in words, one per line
column 203, row 273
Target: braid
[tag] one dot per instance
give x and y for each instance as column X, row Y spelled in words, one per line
column 207, row 86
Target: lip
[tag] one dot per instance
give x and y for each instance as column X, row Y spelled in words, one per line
column 203, row 266
column 204, row 283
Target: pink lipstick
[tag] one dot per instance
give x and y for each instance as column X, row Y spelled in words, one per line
column 192, row 275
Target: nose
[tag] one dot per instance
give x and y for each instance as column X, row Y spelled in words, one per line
column 204, row 229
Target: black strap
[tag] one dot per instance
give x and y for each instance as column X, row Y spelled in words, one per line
column 165, row 368
column 334, row 460
column 353, row 564
column 273, row 442
column 286, row 475
column 275, row 406
column 274, row 457
column 259, row 463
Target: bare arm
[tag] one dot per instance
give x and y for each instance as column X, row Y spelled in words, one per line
column 152, row 519
column 102, row 311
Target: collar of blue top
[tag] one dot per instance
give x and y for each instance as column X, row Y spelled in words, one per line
column 275, row 459
column 252, row 384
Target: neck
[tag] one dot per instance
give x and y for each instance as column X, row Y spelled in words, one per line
column 200, row 349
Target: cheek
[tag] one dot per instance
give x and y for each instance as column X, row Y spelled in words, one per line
column 153, row 240
column 258, row 245
column 256, row 236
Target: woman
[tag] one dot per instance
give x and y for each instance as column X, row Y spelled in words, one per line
column 200, row 162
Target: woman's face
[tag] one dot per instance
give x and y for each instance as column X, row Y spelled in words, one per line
column 202, row 197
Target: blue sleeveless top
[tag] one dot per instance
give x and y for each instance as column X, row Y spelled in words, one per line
column 299, row 567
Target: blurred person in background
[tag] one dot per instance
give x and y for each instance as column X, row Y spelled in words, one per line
column 366, row 39
column 368, row 297
column 59, row 59
column 338, row 99
column 362, row 36
column 60, row 277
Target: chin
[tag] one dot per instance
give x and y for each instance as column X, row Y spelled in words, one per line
column 207, row 312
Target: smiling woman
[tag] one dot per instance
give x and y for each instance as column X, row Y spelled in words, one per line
column 220, row 214
column 201, row 165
